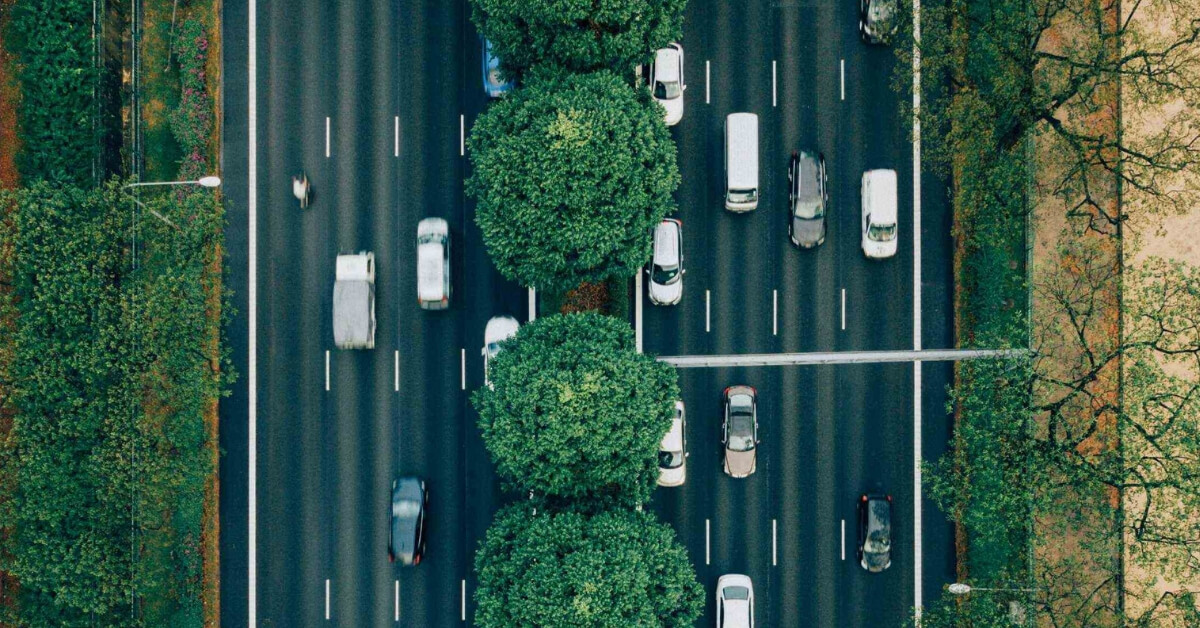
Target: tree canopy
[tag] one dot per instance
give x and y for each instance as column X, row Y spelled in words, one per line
column 575, row 412
column 571, row 172
column 568, row 569
column 579, row 35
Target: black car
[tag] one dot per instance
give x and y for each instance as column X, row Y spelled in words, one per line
column 877, row 20
column 875, row 532
column 808, row 194
column 410, row 509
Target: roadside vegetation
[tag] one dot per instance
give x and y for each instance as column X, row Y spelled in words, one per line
column 112, row 317
column 571, row 171
column 1020, row 114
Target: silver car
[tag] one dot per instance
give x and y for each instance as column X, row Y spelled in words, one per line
column 808, row 195
column 499, row 329
column 666, row 81
column 735, row 601
column 672, row 452
column 739, row 433
column 433, row 264
column 666, row 267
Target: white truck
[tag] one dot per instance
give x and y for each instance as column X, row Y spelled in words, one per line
column 354, row 301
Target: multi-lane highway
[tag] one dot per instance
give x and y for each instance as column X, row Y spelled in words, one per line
column 370, row 99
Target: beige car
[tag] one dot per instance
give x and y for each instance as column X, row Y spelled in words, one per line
column 739, row 433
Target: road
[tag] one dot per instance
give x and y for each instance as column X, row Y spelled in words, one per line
column 393, row 79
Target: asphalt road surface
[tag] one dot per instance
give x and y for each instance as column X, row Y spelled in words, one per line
column 392, row 82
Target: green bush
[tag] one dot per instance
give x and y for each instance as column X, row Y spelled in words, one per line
column 571, row 173
column 570, row 570
column 578, row 35
column 575, row 412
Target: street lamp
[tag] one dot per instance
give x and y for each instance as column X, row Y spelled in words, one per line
column 210, row 181
column 959, row 588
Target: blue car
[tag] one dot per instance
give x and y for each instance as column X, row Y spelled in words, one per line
column 491, row 73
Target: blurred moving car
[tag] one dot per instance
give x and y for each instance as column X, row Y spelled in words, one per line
column 672, row 452
column 740, row 431
column 499, row 329
column 735, row 601
column 410, row 510
column 875, row 532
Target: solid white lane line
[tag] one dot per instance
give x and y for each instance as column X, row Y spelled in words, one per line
column 707, row 312
column 707, row 539
column 396, row 370
column 462, row 612
column 774, row 90
column 843, row 79
column 637, row 311
column 396, row 137
column 327, row 598
column 918, row 551
column 252, row 322
column 327, row 370
column 327, row 136
column 774, row 542
column 843, row 539
column 396, row 604
column 843, row 309
column 463, row 367
column 775, row 312
column 707, row 84
column 462, row 135
column 532, row 305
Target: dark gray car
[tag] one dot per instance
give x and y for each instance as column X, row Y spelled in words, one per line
column 877, row 20
column 410, row 506
column 808, row 197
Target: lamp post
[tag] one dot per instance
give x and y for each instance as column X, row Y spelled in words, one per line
column 959, row 588
column 207, row 182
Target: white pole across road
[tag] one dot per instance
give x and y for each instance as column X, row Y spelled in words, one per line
column 838, row 357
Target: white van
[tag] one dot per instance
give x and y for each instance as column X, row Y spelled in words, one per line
column 879, row 229
column 741, row 162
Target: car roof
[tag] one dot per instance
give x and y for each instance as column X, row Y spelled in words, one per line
column 666, row 243
column 883, row 196
column 666, row 64
column 501, row 327
column 673, row 440
column 430, row 271
column 807, row 181
column 879, row 512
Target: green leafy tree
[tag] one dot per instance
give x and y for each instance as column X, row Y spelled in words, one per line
column 575, row 412
column 571, row 172
column 568, row 569
column 979, row 609
column 579, row 35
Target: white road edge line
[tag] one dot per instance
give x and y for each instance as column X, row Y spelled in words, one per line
column 462, row 135
column 252, row 321
column 326, row 136
column 707, row 312
column 707, row 538
column 775, row 312
column 463, row 367
column 637, row 310
column 918, row 552
column 774, row 88
column 396, row 136
column 843, row 539
column 462, row 613
column 327, row 599
column 774, row 543
column 532, row 305
column 843, row 64
column 843, row 309
column 396, row 603
column 707, row 84
column 396, row 370
column 327, row 370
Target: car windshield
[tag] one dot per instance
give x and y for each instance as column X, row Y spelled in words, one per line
column 742, row 196
column 878, row 542
column 664, row 275
column 741, row 431
column 429, row 238
column 667, row 90
column 493, row 348
column 809, row 209
column 881, row 233
column 670, row 459
column 494, row 77
column 737, row 593
column 406, row 508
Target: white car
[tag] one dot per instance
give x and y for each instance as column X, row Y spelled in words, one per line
column 499, row 329
column 735, row 601
column 433, row 264
column 666, row 81
column 354, row 301
column 879, row 237
column 666, row 266
column 672, row 452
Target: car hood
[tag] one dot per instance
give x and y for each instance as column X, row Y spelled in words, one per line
column 876, row 563
column 672, row 477
column 808, row 232
column 740, row 464
column 666, row 295
column 879, row 250
column 674, row 109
